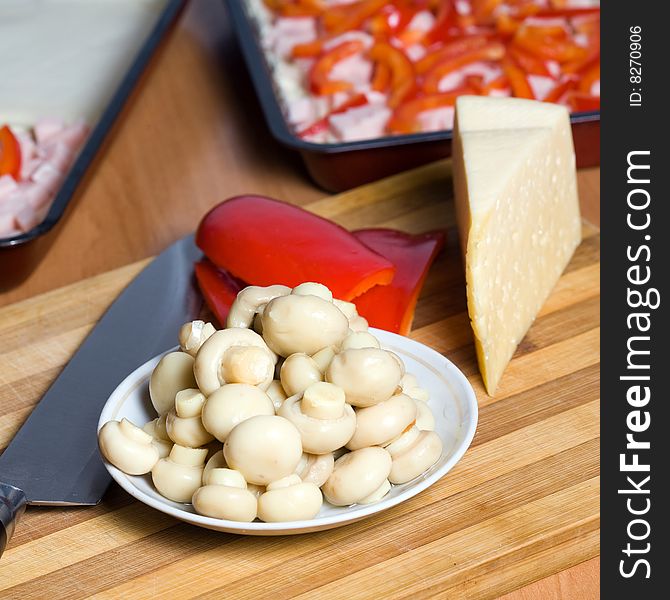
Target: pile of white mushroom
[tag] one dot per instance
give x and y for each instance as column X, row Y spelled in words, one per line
column 294, row 381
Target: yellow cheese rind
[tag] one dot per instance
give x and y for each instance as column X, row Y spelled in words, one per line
column 518, row 217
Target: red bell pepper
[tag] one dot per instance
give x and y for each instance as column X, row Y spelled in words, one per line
column 452, row 50
column 218, row 287
column 401, row 70
column 265, row 241
column 319, row 76
column 589, row 78
column 10, row 153
column 391, row 307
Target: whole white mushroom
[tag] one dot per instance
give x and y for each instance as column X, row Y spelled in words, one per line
column 263, row 448
column 233, row 355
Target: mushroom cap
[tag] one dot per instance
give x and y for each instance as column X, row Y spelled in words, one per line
column 367, row 375
column 289, row 500
column 127, row 447
column 238, row 354
column 178, row 476
column 425, row 420
column 323, row 357
column 356, row 475
column 298, row 372
column 306, row 324
column 173, row 373
column 187, row 431
column 319, row 436
column 222, row 502
column 315, row 468
column 413, row 453
column 378, row 494
column 360, row 339
column 250, row 300
column 224, row 498
column 310, row 288
column 376, row 425
column 231, row 404
column 193, row 334
column 216, row 461
column 276, row 393
column 263, row 448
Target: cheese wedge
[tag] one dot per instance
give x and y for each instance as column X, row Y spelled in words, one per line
column 518, row 216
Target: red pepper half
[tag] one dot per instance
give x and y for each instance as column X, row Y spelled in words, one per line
column 10, row 153
column 391, row 307
column 218, row 287
column 265, row 241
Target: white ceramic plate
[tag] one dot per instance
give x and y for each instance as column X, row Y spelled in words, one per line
column 452, row 401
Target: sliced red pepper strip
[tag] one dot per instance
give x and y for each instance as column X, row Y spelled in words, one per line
column 589, row 78
column 560, row 89
column 452, row 50
column 265, row 241
column 323, row 123
column 431, row 84
column 10, row 153
column 548, row 47
column 405, row 119
column 517, row 79
column 445, row 20
column 401, row 70
column 319, row 75
column 581, row 102
column 391, row 307
column 351, row 16
column 219, row 288
column 529, row 63
column 499, row 83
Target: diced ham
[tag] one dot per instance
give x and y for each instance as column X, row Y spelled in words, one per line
column 7, row 225
column 38, row 195
column 46, row 128
column 437, row 119
column 290, row 31
column 454, row 80
column 355, row 69
column 47, row 175
column 348, row 36
column 363, row 122
column 59, row 155
column 424, row 20
column 7, row 186
column 541, row 85
column 27, row 217
column 416, row 52
column 301, row 110
column 72, row 136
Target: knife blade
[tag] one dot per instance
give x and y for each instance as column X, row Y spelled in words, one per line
column 54, row 458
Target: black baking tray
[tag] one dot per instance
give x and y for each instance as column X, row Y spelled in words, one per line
column 20, row 254
column 340, row 166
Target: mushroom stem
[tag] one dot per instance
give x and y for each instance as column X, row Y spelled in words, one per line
column 222, row 476
column 313, row 289
column 193, row 334
column 188, row 403
column 190, row 457
column 323, row 401
column 246, row 364
column 134, row 433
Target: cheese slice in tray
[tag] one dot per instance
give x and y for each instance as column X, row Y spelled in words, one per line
column 518, row 216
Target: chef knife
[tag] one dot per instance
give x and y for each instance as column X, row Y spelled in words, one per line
column 53, row 460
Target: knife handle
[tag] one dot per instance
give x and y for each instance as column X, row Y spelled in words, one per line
column 12, row 505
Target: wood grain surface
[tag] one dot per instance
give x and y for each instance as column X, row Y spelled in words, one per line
column 192, row 135
column 522, row 504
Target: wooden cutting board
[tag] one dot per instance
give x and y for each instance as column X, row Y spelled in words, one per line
column 521, row 504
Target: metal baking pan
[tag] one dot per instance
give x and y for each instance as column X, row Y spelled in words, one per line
column 340, row 166
column 20, row 254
